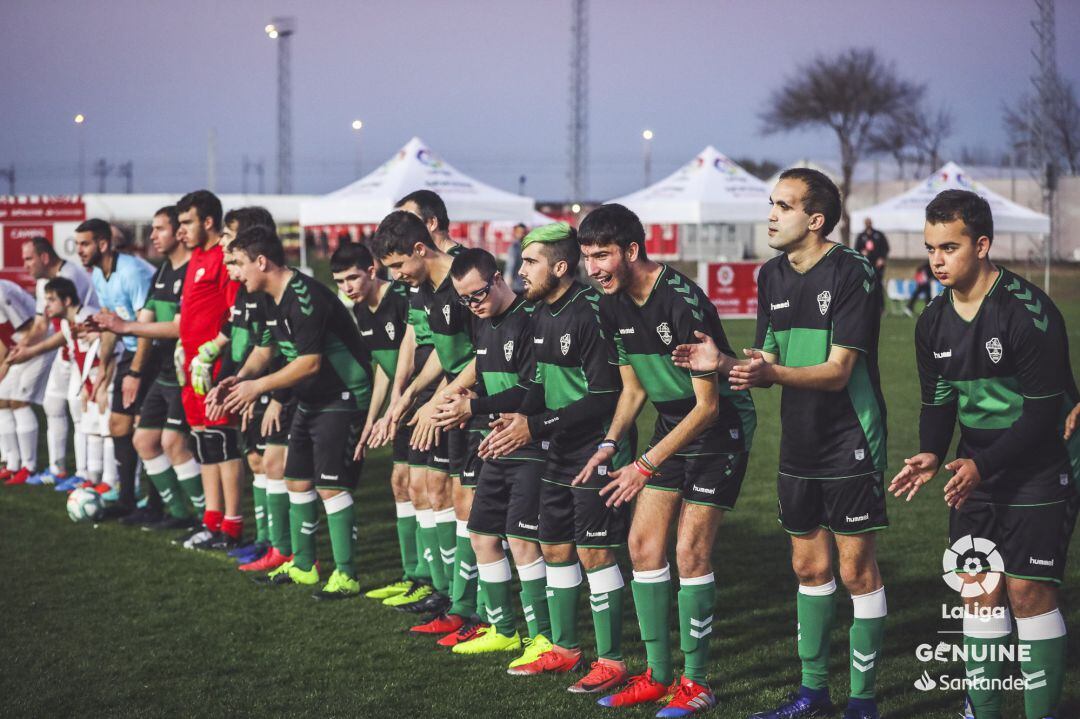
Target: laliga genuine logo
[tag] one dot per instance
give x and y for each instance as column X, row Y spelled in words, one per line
column 428, row 158
column 972, row 556
column 725, row 165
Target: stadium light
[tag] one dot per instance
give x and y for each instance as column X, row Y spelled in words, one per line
column 357, row 126
column 646, row 155
column 575, row 208
column 80, row 123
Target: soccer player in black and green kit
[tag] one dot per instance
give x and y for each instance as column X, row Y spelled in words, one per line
column 992, row 353
column 329, row 371
column 381, row 311
column 406, row 248
column 569, row 407
column 506, row 502
column 817, row 336
column 693, row 469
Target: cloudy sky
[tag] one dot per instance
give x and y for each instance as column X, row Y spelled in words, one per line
column 485, row 82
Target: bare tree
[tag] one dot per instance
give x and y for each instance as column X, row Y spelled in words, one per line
column 1064, row 125
column 894, row 136
column 930, row 132
column 851, row 94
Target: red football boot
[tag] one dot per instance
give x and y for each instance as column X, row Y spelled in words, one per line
column 441, row 624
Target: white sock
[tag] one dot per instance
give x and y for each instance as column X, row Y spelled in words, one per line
column 56, row 432
column 26, row 429
column 9, row 441
column 95, row 454
column 79, row 440
column 109, row 473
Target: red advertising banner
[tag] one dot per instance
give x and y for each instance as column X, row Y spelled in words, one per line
column 731, row 286
column 42, row 209
column 16, row 234
column 662, row 241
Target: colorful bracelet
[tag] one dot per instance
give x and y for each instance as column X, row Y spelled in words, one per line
column 644, row 459
column 643, row 470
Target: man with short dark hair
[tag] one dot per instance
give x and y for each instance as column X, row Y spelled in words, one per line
column 161, row 438
column 992, row 353
column 122, row 283
column 381, row 311
column 693, row 469
column 328, row 369
column 21, row 386
column 817, row 337
column 42, row 263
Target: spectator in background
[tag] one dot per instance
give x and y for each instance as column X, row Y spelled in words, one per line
column 873, row 245
column 513, row 259
column 922, row 288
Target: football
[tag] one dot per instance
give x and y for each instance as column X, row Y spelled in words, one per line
column 85, row 505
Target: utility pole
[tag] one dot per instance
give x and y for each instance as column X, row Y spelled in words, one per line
column 127, row 171
column 281, row 29
column 101, row 170
column 8, row 174
column 579, row 101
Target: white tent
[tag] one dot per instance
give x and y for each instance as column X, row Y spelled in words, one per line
column 415, row 167
column 710, row 189
column 906, row 211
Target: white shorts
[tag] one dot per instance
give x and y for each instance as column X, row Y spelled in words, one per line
column 59, row 384
column 26, row 382
column 95, row 422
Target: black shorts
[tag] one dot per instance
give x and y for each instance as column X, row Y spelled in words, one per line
column 253, row 441
column 458, row 445
column 162, row 408
column 472, row 464
column 709, row 479
column 578, row 515
column 401, row 445
column 122, row 367
column 507, row 499
column 1033, row 541
column 851, row 505
column 280, row 436
column 321, row 445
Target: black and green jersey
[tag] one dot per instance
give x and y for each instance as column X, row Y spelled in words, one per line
column 572, row 356
column 383, row 328
column 1010, row 360
column 311, row 320
column 451, row 325
column 504, row 359
column 418, row 318
column 164, row 301
column 245, row 324
column 801, row 316
column 645, row 336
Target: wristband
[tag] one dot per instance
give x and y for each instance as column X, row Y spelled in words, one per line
column 608, row 443
column 643, row 470
column 134, row 373
column 644, row 459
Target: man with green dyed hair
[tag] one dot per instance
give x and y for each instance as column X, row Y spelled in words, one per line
column 568, row 409
column 693, row 468
column 817, row 337
column 992, row 352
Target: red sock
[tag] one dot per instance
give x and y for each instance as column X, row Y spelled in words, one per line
column 233, row 526
column 211, row 519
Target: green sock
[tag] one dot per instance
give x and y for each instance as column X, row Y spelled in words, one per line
column 985, row 638
column 303, row 523
column 697, row 600
column 446, row 528
column 816, row 607
column 652, row 600
column 865, row 638
column 432, row 555
column 495, row 582
column 422, row 571
column 277, row 515
column 606, row 589
column 463, row 597
column 563, row 590
column 162, row 475
column 341, row 521
column 189, row 475
column 406, row 536
column 534, row 604
column 1044, row 672
column 258, row 488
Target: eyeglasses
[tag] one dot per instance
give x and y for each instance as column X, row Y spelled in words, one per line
column 475, row 298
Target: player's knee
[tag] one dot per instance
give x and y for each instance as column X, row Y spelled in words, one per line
column 596, row 558
column 811, row 571
column 485, row 545
column 120, row 425
column 859, row 578
column 273, row 464
column 692, row 560
column 1032, row 598
column 646, row 549
column 146, row 444
column 255, row 461
column 558, row 553
column 176, row 448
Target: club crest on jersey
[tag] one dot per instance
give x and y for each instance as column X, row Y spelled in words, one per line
column 860, row 454
column 823, row 301
column 176, row 287
column 993, row 348
column 664, row 330
column 446, row 313
column 199, row 273
column 508, row 349
column 390, row 330
column 564, row 343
